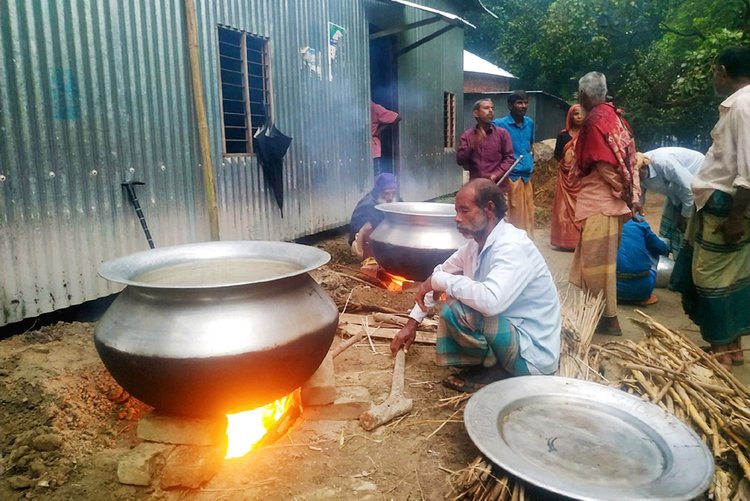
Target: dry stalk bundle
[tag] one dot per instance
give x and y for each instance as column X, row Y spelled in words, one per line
column 676, row 374
column 481, row 480
column 580, row 315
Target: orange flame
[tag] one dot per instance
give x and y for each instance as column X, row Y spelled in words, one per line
column 246, row 429
column 394, row 283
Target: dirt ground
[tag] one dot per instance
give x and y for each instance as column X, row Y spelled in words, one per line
column 63, row 428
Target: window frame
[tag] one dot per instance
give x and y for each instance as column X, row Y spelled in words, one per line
column 266, row 91
column 449, row 121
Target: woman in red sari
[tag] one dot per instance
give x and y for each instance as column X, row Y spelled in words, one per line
column 564, row 231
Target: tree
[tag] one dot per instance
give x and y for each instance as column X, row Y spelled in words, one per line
column 656, row 54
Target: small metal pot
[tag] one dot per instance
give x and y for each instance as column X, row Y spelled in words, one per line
column 414, row 237
column 664, row 271
column 216, row 327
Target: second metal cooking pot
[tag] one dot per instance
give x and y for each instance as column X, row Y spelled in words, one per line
column 414, row 237
column 216, row 327
column 664, row 271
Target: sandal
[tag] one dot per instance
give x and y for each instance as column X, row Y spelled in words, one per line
column 474, row 378
column 463, row 385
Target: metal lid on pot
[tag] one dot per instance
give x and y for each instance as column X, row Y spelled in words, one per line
column 432, row 209
column 214, row 264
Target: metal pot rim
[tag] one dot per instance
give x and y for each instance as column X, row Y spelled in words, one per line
column 124, row 269
column 432, row 209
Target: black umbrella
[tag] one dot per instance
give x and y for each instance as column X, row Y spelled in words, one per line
column 271, row 145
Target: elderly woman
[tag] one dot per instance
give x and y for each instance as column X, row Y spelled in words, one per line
column 610, row 191
column 564, row 230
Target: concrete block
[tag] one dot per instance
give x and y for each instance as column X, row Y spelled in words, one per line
column 181, row 430
column 138, row 466
column 191, row 466
column 350, row 403
column 320, row 389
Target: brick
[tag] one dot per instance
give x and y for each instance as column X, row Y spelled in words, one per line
column 191, row 466
column 157, row 427
column 351, row 402
column 320, row 389
column 137, row 466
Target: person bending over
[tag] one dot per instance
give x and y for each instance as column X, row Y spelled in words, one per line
column 366, row 217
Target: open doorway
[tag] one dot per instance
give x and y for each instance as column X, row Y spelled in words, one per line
column 384, row 91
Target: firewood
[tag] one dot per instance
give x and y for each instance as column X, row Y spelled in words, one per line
column 355, row 328
column 390, row 319
column 346, row 344
column 395, row 405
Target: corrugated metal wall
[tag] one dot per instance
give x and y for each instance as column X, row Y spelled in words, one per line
column 425, row 73
column 91, row 92
column 95, row 92
column 327, row 168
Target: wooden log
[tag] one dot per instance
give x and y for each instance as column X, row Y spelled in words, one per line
column 397, row 404
column 389, row 318
column 386, row 333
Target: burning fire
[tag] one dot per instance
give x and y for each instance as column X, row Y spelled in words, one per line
column 246, row 429
column 392, row 282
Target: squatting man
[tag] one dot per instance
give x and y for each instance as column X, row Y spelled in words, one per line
column 502, row 312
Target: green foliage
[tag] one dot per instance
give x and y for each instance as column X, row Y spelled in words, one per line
column 656, row 54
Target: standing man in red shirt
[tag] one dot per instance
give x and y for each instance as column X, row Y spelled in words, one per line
column 380, row 117
column 485, row 150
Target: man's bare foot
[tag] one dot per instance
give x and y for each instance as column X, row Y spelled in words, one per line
column 738, row 357
column 719, row 352
column 652, row 299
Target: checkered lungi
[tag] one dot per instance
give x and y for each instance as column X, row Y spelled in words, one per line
column 466, row 338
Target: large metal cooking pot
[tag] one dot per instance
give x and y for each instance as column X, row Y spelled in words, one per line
column 414, row 237
column 216, row 327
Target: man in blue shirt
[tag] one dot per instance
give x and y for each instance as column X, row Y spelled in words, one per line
column 520, row 192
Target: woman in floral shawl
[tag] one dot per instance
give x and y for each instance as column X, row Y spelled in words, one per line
column 564, row 230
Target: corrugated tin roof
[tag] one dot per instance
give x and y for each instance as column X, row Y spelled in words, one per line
column 478, row 6
column 447, row 16
column 476, row 64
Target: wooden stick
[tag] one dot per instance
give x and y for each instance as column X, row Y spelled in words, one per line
column 744, row 463
column 370, row 308
column 389, row 318
column 692, row 411
column 346, row 344
column 444, row 423
column 366, row 330
column 395, row 405
column 201, row 119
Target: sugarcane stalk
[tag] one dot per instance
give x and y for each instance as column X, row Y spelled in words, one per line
column 742, row 460
column 638, row 375
column 692, row 411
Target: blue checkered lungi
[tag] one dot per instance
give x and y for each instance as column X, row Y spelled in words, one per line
column 465, row 338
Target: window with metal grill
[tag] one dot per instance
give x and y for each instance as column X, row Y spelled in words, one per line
column 449, row 120
column 245, row 88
